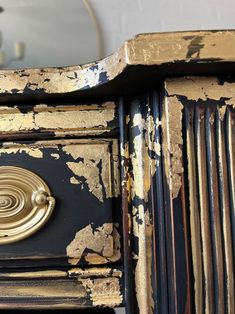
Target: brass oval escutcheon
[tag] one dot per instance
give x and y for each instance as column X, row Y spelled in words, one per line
column 25, row 203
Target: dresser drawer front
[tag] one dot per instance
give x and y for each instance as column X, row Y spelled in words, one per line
column 83, row 176
column 43, row 120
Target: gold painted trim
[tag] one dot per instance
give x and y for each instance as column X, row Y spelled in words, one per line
column 147, row 49
column 73, row 288
column 25, row 204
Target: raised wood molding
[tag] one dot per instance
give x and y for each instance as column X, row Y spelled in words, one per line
column 162, row 51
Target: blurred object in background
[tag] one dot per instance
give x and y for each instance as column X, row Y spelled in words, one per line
column 18, row 54
column 42, row 33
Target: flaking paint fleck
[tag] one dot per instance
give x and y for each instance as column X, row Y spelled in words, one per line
column 94, row 272
column 95, row 166
column 99, row 240
column 144, row 164
column 195, row 88
column 94, row 258
column 95, row 171
column 33, row 152
column 104, row 242
column 59, row 119
column 140, row 163
column 55, row 155
column 103, row 291
column 143, row 231
column 73, row 180
column 172, row 145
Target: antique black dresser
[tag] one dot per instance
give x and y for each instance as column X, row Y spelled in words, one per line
column 117, row 179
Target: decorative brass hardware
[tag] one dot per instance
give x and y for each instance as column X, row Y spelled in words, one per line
column 25, row 203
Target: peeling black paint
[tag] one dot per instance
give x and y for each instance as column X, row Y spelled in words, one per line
column 103, row 78
column 194, row 47
column 76, row 206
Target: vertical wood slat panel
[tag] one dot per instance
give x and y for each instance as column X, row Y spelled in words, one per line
column 194, row 214
column 142, row 203
column 230, row 154
column 215, row 220
column 204, row 226
column 210, row 200
column 225, row 213
column 208, row 108
column 176, row 207
column 159, row 240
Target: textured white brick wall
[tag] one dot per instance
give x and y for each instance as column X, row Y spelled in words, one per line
column 122, row 19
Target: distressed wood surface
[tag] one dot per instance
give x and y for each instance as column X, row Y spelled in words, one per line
column 55, row 120
column 144, row 227
column 207, row 105
column 177, row 178
column 176, row 206
column 83, row 176
column 167, row 53
column 59, row 289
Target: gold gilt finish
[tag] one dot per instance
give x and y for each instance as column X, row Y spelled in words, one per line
column 147, row 49
column 25, row 203
column 208, row 106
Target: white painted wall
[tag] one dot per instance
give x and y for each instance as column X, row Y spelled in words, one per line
column 118, row 19
column 122, row 19
column 56, row 32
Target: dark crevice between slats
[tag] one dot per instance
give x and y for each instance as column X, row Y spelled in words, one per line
column 191, row 202
column 210, row 170
column 230, row 150
column 223, row 191
column 159, row 238
column 208, row 282
column 214, row 214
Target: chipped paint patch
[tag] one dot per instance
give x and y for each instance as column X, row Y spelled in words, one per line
column 93, row 165
column 98, row 240
column 199, row 88
column 73, row 180
column 81, row 119
column 103, row 291
column 55, row 155
column 62, row 80
column 96, row 245
column 163, row 48
column 15, row 149
column 94, row 272
column 94, row 258
column 98, row 165
column 142, row 229
column 172, row 145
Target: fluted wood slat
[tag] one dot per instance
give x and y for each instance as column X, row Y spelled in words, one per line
column 210, row 156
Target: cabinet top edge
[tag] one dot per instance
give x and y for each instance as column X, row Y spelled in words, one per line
column 162, row 52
